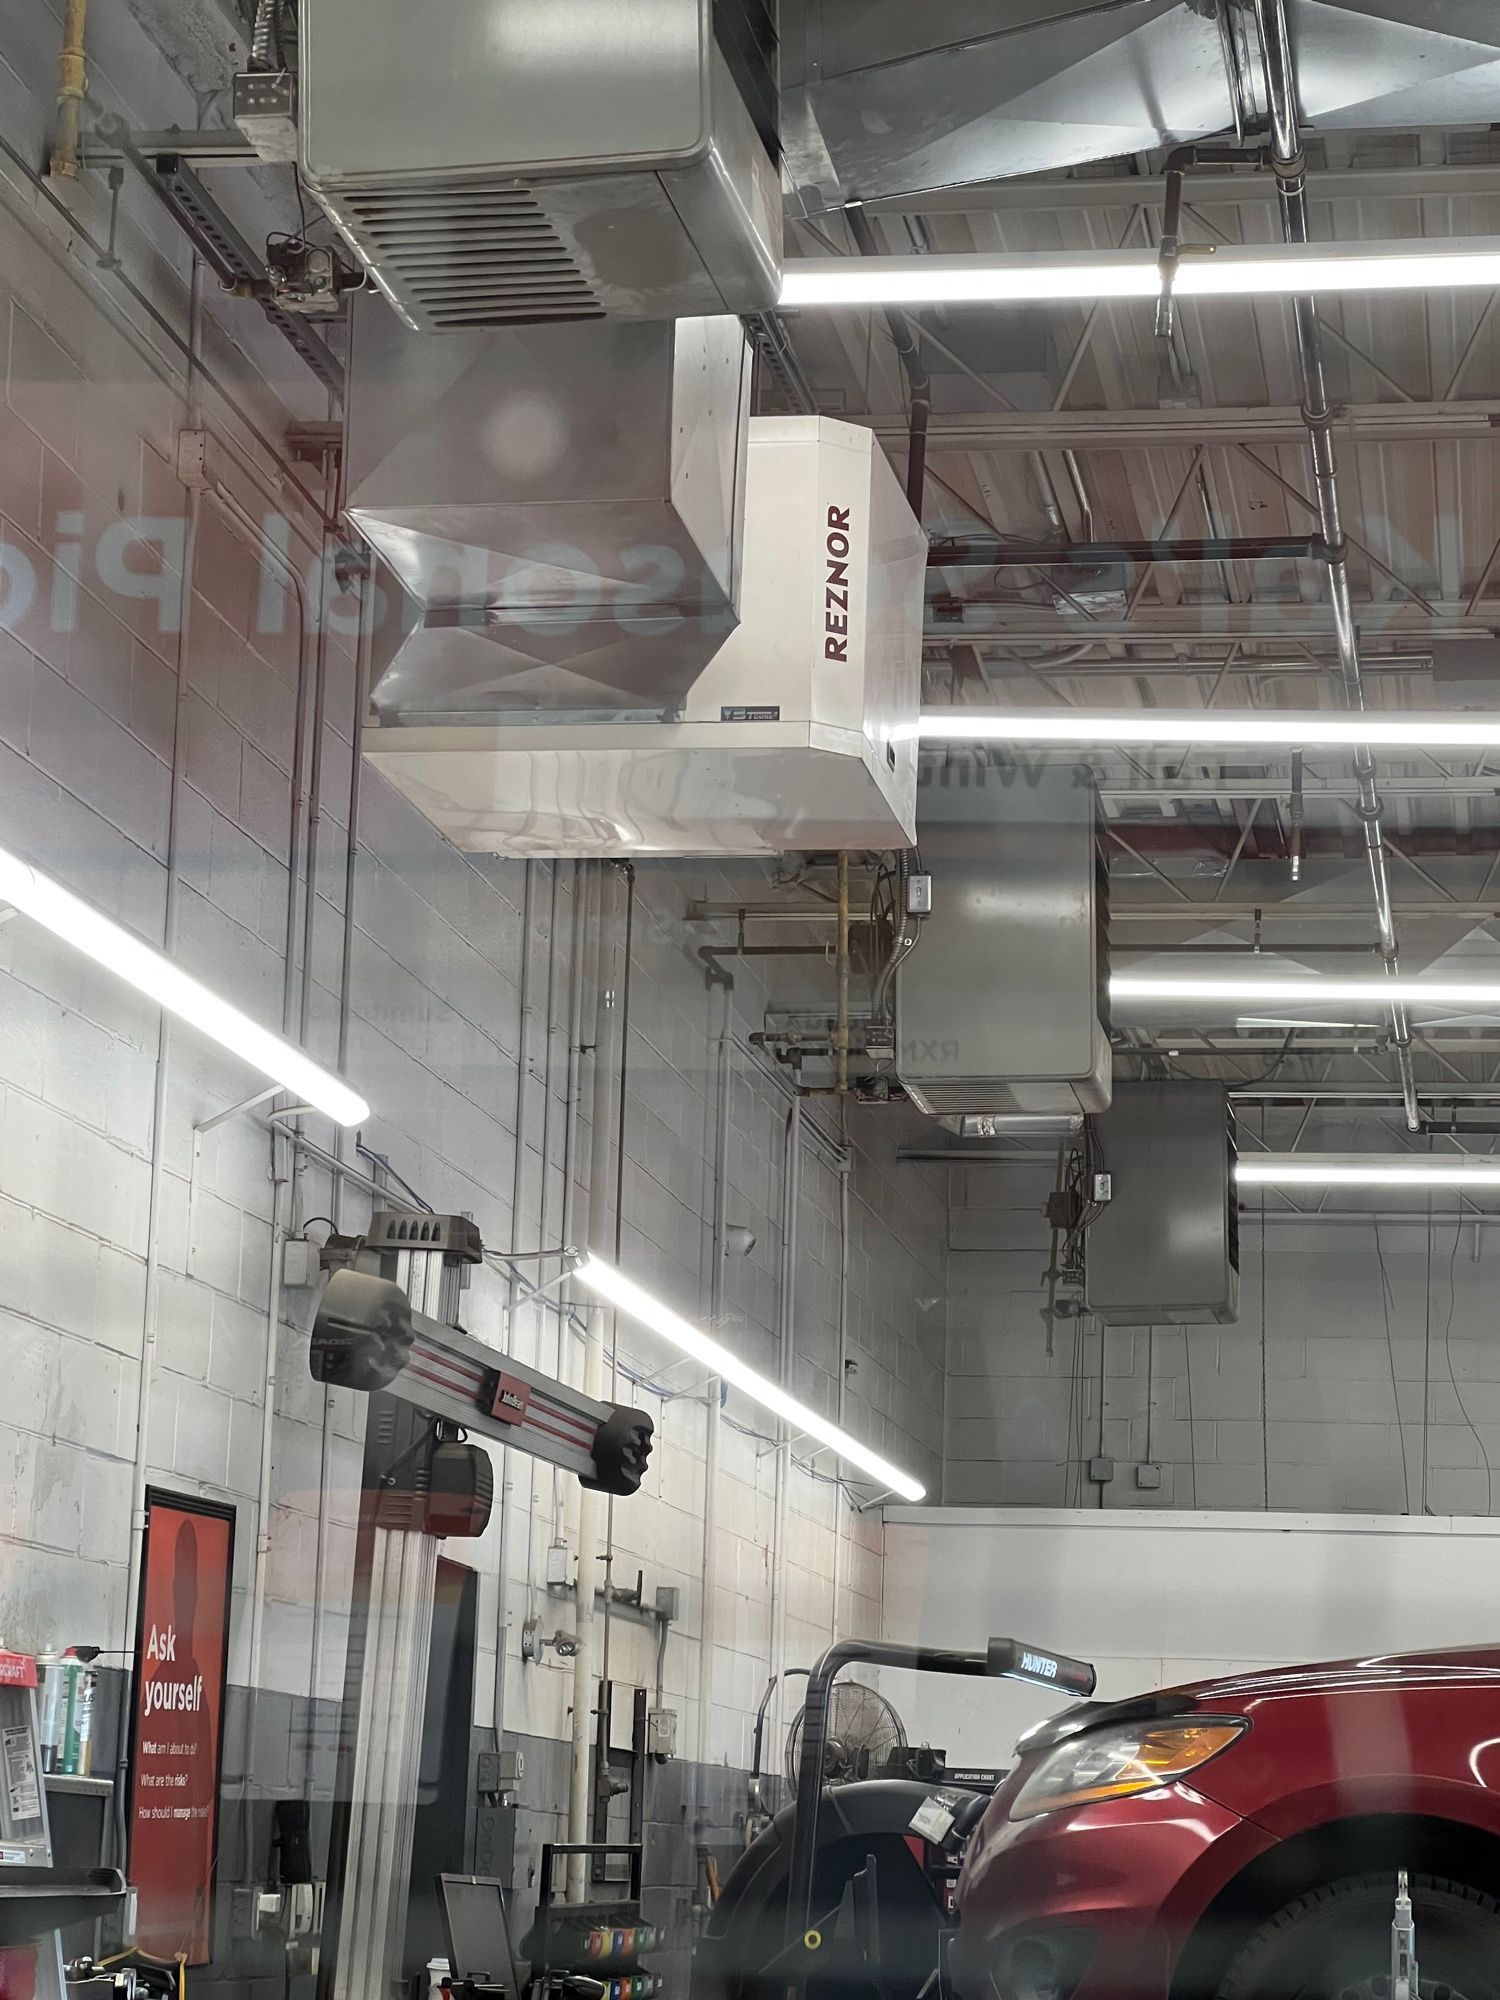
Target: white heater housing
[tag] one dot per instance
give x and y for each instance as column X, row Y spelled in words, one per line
column 799, row 733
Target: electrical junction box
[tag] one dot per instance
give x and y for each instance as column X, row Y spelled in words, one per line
column 800, row 732
column 1166, row 1251
column 263, row 103
column 661, row 1733
column 301, row 1263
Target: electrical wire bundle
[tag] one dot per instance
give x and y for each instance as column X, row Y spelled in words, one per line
column 890, row 918
column 1072, row 1207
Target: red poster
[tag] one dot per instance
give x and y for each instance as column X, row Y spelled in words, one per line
column 177, row 1725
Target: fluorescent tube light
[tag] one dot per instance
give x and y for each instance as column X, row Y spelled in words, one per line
column 140, row 965
column 1312, row 989
column 1366, row 1170
column 612, row 1284
column 1220, row 271
column 1209, row 728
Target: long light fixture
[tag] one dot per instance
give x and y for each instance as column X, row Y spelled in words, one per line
column 1209, row 728
column 1311, row 989
column 88, row 930
column 1210, row 271
column 611, row 1284
column 1366, row 1170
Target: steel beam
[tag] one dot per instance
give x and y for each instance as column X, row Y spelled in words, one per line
column 1274, row 621
column 986, row 552
column 1351, row 1093
column 1144, row 838
column 1186, row 428
column 1001, row 666
column 1164, row 790
column 219, row 242
column 1214, row 916
column 1239, row 189
column 203, row 146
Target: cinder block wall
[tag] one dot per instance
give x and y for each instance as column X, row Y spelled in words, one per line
column 1314, row 1401
column 114, row 664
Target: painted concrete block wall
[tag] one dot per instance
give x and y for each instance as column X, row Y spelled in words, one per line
column 1231, row 1593
column 1314, row 1401
column 109, row 661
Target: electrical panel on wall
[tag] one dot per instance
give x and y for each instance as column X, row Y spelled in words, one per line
column 1165, row 1250
column 1002, row 1006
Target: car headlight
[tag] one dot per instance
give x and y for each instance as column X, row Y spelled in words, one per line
column 1117, row 1763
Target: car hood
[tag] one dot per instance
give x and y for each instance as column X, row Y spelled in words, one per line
column 1463, row 1666
column 1459, row 1666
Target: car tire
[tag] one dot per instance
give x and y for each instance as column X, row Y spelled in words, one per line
column 1335, row 1942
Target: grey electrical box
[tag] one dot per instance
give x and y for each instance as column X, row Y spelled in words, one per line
column 263, row 103
column 1002, row 1004
column 1166, row 1250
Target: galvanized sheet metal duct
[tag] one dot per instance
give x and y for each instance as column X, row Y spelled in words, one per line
column 884, row 98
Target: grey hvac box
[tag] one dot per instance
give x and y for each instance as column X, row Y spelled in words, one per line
column 1003, row 1004
column 1166, row 1250
column 499, row 161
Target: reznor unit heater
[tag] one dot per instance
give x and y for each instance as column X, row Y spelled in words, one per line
column 800, row 732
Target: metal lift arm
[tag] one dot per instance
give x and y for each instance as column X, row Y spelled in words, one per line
column 367, row 1335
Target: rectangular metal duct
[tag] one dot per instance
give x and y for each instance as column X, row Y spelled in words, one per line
column 562, row 506
column 501, row 161
column 883, row 98
column 1002, row 1005
column 1166, row 1250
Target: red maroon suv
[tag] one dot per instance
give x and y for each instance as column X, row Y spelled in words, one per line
column 1239, row 1840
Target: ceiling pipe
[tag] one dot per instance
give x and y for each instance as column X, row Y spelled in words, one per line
column 1001, row 552
column 1290, row 169
column 1022, row 665
column 909, row 354
column 1080, row 494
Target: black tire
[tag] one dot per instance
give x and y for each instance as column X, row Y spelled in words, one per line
column 1335, row 1941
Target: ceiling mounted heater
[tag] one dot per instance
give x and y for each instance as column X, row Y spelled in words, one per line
column 1165, row 1249
column 498, row 161
column 1002, row 1006
column 800, row 732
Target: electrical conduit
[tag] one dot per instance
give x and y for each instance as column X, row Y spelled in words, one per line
column 1291, row 185
column 599, row 1241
